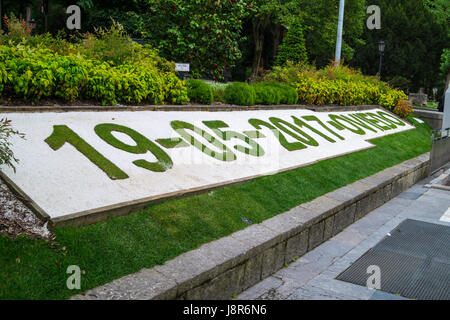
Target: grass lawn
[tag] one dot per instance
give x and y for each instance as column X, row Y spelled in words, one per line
column 33, row 269
column 430, row 105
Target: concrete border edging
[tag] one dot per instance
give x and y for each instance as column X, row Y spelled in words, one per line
column 230, row 265
column 162, row 108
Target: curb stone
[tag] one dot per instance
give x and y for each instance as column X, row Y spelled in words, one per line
column 230, row 265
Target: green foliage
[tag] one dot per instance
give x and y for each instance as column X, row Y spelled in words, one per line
column 240, row 93
column 415, row 40
column 403, row 109
column 200, row 92
column 293, row 47
column 336, row 85
column 17, row 28
column 445, row 62
column 288, row 94
column 6, row 132
column 204, row 33
column 319, row 19
column 107, row 68
column 400, row 82
column 109, row 45
column 219, row 91
column 266, row 94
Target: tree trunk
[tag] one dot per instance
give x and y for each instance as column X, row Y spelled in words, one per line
column 259, row 28
column 276, row 40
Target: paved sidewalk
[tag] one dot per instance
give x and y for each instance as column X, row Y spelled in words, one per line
column 313, row 275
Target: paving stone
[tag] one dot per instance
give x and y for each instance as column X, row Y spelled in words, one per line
column 253, row 271
column 341, row 288
column 344, row 218
column 387, row 190
column 273, row 259
column 146, row 284
column 226, row 252
column 346, row 195
column 412, row 164
column 285, row 224
column 220, row 288
column 362, row 208
column 296, row 246
column 398, row 186
column 304, row 216
column 410, row 195
column 379, row 199
column 314, row 293
column 394, row 172
column 260, row 289
column 316, row 235
column 379, row 180
column 350, row 237
column 328, row 228
column 258, row 237
column 189, row 270
column 380, row 295
column 323, row 206
column 362, row 187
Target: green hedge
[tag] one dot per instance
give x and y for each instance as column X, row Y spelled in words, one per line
column 266, row 94
column 240, row 93
column 200, row 92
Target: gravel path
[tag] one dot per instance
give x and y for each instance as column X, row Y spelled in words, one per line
column 16, row 219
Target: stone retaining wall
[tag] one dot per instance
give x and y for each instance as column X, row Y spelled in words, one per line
column 230, row 265
column 432, row 117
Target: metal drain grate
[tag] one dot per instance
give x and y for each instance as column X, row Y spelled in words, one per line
column 414, row 262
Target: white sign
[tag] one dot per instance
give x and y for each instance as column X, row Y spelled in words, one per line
column 182, row 67
column 74, row 162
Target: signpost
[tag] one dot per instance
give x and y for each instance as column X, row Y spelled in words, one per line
column 183, row 69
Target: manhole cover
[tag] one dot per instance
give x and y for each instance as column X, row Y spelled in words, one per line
column 414, row 262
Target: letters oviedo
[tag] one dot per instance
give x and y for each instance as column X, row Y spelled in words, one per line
column 82, row 162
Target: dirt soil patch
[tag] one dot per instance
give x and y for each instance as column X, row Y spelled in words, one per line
column 16, row 219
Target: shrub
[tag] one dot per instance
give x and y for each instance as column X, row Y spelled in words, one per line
column 200, row 92
column 293, row 48
column 240, row 93
column 288, row 94
column 17, row 28
column 31, row 72
column 400, row 82
column 109, row 45
column 403, row 109
column 336, row 85
column 266, row 94
column 218, row 91
column 6, row 132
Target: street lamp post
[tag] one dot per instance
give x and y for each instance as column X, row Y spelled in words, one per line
column 339, row 32
column 381, row 47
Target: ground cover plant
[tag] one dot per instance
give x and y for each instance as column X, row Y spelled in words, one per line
column 36, row 269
